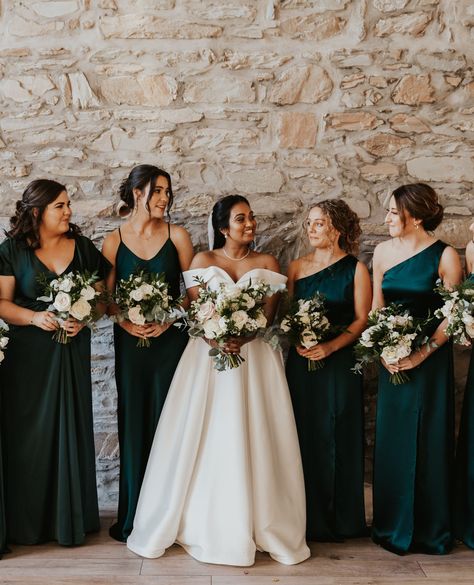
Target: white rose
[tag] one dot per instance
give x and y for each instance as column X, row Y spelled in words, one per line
column 62, row 302
column 308, row 339
column 468, row 321
column 135, row 316
column 223, row 325
column 284, row 325
column 88, row 293
column 403, row 350
column 66, row 284
column 390, row 354
column 250, row 303
column 137, row 294
column 3, row 342
column 212, row 328
column 80, row 309
column 240, row 318
column 261, row 320
column 365, row 338
column 54, row 284
column 2, row 356
column 147, row 290
column 206, row 311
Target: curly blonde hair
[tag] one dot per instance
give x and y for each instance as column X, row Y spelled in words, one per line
column 345, row 221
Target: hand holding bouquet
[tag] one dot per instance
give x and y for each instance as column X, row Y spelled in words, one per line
column 233, row 311
column 144, row 298
column 392, row 335
column 306, row 324
column 458, row 309
column 71, row 295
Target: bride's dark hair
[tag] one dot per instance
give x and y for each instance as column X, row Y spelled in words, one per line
column 25, row 224
column 221, row 215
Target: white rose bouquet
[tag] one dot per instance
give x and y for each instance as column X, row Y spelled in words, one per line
column 3, row 339
column 306, row 324
column 392, row 334
column 71, row 295
column 458, row 309
column 234, row 310
column 142, row 298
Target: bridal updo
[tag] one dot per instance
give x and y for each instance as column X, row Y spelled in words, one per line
column 139, row 178
column 221, row 216
column 421, row 202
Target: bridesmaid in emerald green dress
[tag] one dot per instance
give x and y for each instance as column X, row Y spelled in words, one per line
column 46, row 422
column 414, row 436
column 328, row 402
column 464, row 489
column 143, row 375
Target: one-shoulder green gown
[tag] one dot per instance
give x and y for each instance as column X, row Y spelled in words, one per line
column 47, row 430
column 414, row 437
column 328, row 406
column 464, row 487
column 143, row 376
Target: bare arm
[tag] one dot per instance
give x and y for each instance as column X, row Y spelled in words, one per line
column 378, row 300
column 470, row 257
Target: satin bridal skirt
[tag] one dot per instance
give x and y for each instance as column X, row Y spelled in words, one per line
column 224, row 478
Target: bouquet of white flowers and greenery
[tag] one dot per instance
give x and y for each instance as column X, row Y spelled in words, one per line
column 392, row 335
column 458, row 309
column 71, row 295
column 306, row 324
column 3, row 338
column 143, row 298
column 234, row 310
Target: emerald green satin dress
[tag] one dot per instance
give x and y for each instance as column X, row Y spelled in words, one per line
column 328, row 407
column 46, row 422
column 143, row 376
column 414, row 435
column 464, row 487
column 3, row 526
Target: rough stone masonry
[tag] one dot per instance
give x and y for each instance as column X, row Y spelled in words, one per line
column 283, row 101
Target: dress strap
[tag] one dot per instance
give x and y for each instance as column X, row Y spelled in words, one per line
column 169, row 231
column 120, row 234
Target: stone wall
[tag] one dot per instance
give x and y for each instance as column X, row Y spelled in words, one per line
column 280, row 100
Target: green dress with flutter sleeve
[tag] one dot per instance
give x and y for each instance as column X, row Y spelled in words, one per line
column 464, row 488
column 328, row 407
column 47, row 428
column 143, row 376
column 414, row 433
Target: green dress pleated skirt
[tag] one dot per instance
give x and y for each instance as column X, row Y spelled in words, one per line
column 464, row 486
column 46, row 419
column 414, row 437
column 143, row 376
column 328, row 407
column 3, row 525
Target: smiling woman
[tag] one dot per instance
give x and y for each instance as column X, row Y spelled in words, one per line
column 48, row 445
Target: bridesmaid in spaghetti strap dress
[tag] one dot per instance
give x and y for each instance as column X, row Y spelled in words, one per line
column 414, row 444
column 143, row 375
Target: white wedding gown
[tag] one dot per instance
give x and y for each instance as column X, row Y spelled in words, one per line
column 224, row 477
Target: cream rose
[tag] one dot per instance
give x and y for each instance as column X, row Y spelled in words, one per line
column 62, row 302
column 80, row 309
column 3, row 342
column 135, row 315
column 88, row 293
column 66, row 284
column 137, row 294
column 240, row 318
column 206, row 311
column 212, row 329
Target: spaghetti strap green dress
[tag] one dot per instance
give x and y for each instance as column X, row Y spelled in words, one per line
column 464, row 476
column 46, row 419
column 143, row 376
column 328, row 407
column 3, row 526
column 414, row 433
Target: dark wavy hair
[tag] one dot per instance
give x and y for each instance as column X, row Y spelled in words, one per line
column 25, row 224
column 221, row 215
column 345, row 221
column 421, row 202
column 138, row 178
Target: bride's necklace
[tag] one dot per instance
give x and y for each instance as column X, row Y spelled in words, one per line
column 236, row 259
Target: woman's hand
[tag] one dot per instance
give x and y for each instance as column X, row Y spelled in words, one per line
column 132, row 329
column 413, row 360
column 155, row 329
column 72, row 326
column 45, row 320
column 317, row 352
column 234, row 344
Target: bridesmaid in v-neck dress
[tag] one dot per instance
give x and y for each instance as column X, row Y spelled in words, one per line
column 143, row 375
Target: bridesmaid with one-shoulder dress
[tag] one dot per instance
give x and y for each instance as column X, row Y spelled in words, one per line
column 328, row 402
column 414, row 437
column 464, row 487
column 143, row 375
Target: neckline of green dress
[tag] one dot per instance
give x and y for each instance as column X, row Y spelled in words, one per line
column 324, row 269
column 122, row 243
column 57, row 274
column 411, row 257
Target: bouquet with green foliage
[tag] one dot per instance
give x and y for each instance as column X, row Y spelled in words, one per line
column 458, row 309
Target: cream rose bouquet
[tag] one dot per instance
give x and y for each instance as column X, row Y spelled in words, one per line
column 458, row 309
column 392, row 335
column 306, row 324
column 71, row 295
column 144, row 298
column 3, row 339
column 235, row 310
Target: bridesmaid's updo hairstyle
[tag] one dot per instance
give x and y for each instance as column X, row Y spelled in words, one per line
column 421, row 202
column 221, row 216
column 25, row 224
column 345, row 221
column 138, row 178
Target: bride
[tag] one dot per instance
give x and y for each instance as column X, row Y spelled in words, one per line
column 224, row 477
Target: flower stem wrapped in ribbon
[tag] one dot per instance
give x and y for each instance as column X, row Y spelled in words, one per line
column 235, row 310
column 143, row 298
column 458, row 309
column 71, row 295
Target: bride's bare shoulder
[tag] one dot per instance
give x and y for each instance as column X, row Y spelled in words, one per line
column 203, row 259
column 267, row 261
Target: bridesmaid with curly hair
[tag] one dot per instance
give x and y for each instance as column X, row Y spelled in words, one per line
column 328, row 402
